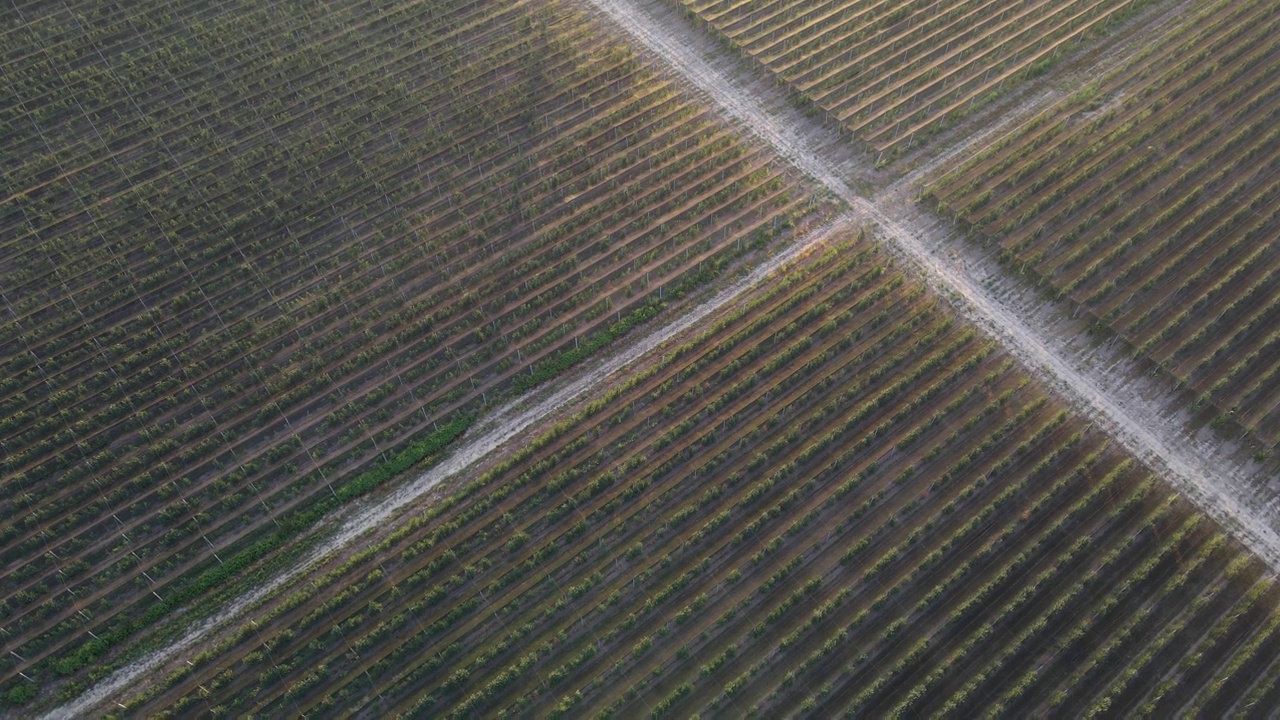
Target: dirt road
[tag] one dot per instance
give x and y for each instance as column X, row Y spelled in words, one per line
column 1212, row 474
column 489, row 435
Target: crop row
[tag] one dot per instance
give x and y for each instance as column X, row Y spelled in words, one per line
column 260, row 252
column 1153, row 207
column 889, row 72
column 835, row 499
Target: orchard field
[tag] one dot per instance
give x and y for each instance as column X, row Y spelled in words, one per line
column 1149, row 200
column 250, row 251
column 263, row 265
column 835, row 500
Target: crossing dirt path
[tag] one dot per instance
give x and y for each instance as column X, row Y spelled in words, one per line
column 1212, row 473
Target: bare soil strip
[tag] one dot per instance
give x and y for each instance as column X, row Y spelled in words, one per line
column 491, row 433
column 1140, row 417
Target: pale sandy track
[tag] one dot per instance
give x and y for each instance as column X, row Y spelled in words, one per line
column 1211, row 475
column 491, row 433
